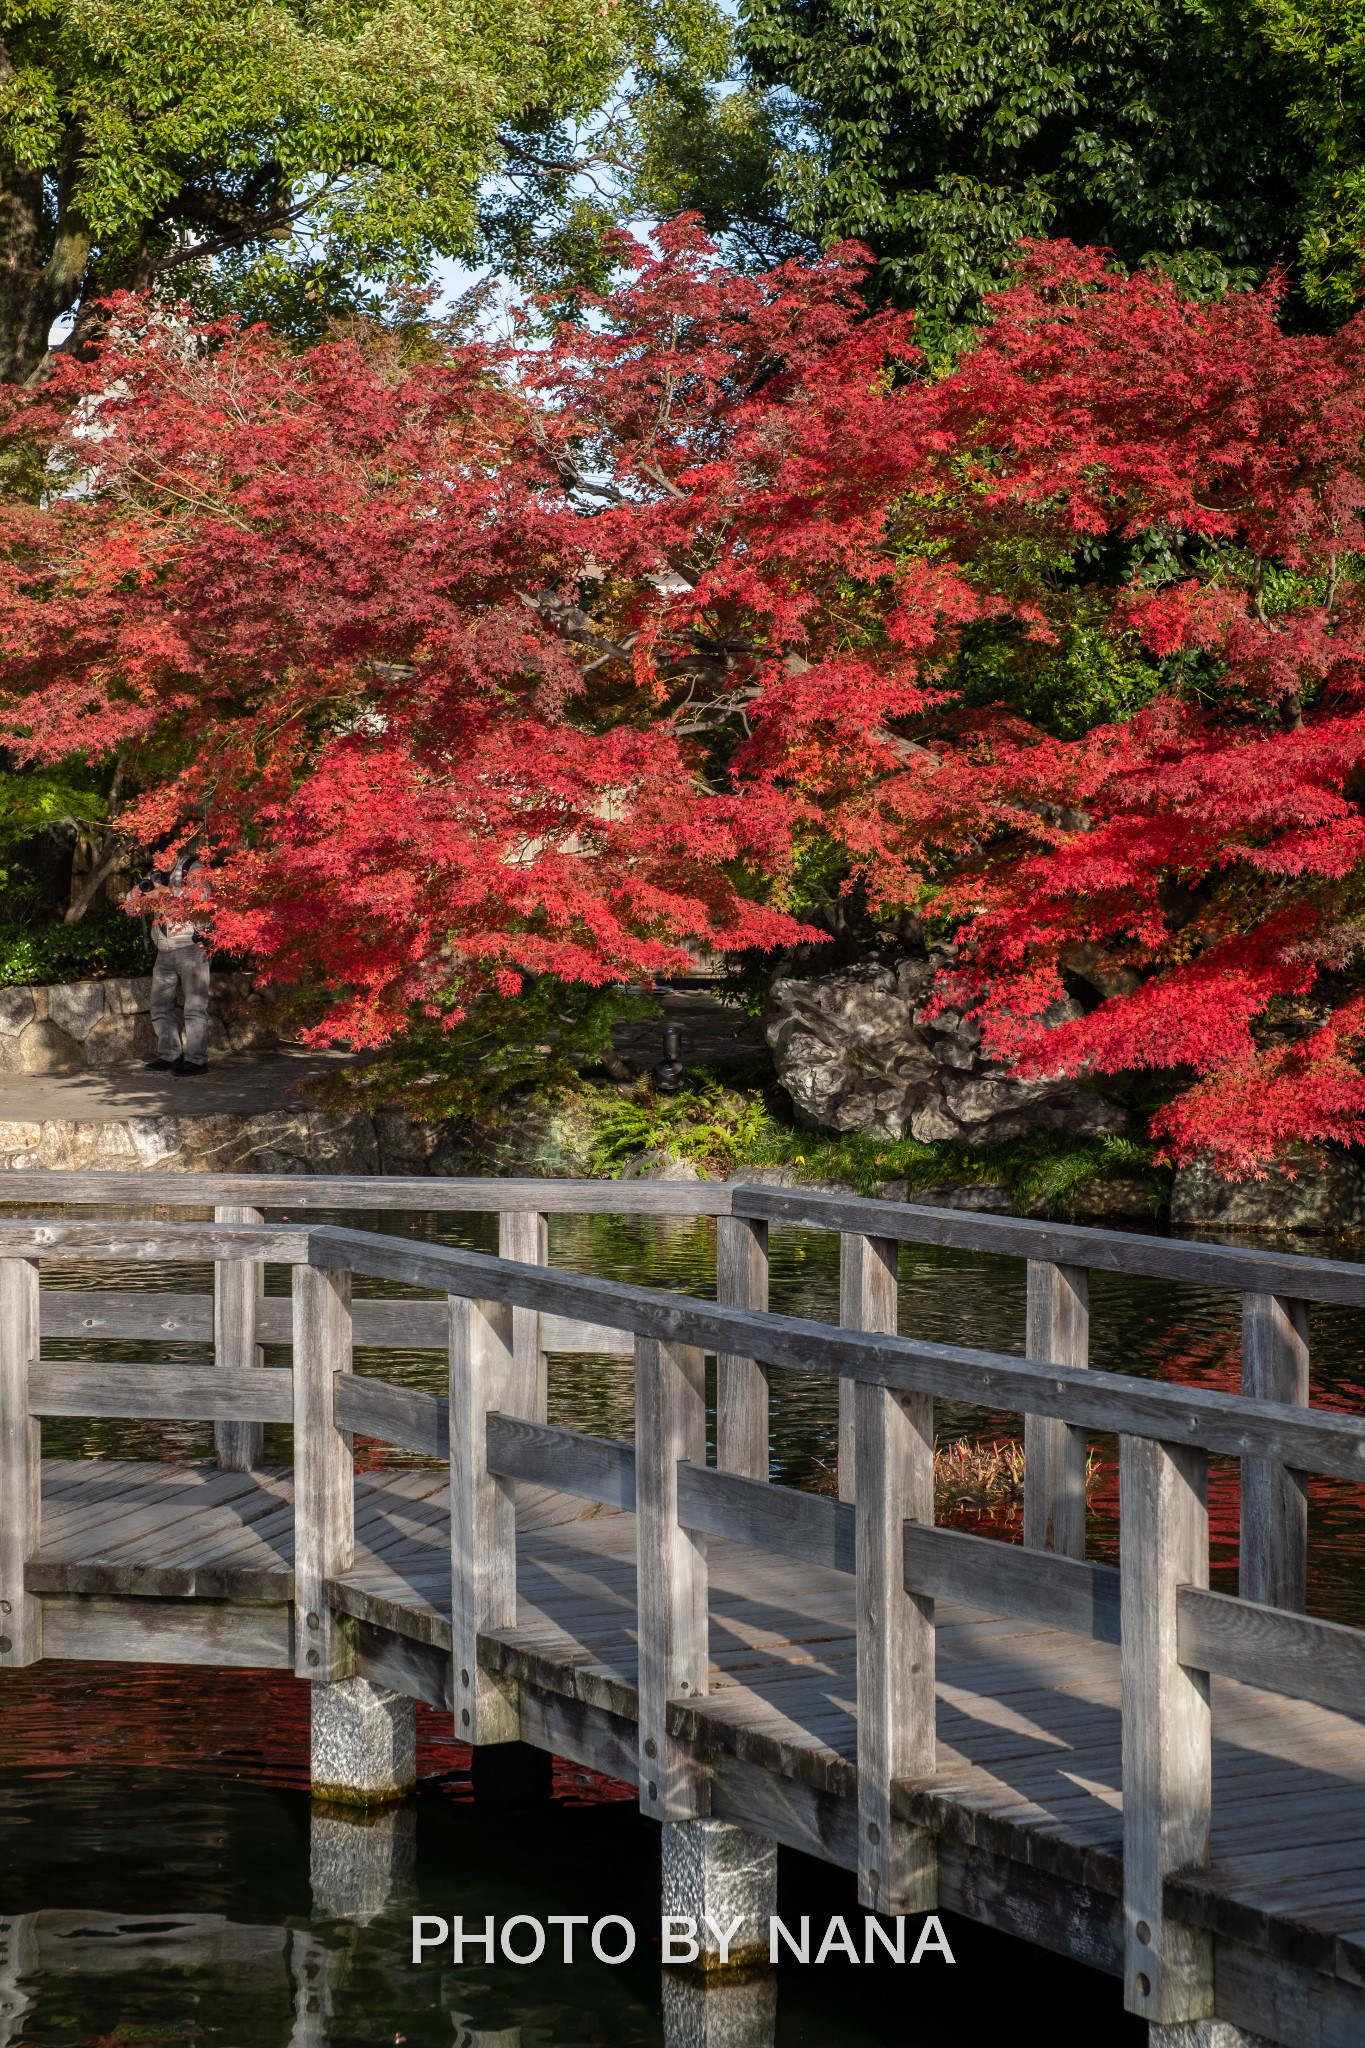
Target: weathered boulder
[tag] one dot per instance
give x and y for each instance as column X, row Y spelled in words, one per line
column 17, row 1008
column 76, row 1007
column 856, row 1052
column 42, row 1047
column 120, row 1038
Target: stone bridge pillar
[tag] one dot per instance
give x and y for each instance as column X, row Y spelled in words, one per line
column 364, row 1767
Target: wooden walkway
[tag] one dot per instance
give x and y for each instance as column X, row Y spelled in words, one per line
column 1161, row 1781
column 1029, row 1720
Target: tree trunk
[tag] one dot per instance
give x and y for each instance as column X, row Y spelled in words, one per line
column 106, row 859
column 41, row 269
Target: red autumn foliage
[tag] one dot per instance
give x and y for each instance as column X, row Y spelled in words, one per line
column 544, row 659
column 1206, row 869
column 338, row 595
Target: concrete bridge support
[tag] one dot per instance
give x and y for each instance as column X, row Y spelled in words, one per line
column 362, row 1841
column 364, row 1743
column 721, row 1881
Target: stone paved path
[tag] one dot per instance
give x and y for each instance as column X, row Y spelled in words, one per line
column 241, row 1084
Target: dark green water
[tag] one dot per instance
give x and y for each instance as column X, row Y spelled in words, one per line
column 155, row 1844
column 165, row 1906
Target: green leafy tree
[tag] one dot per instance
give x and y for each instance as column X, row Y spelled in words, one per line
column 717, row 154
column 940, row 134
column 308, row 145
column 1320, row 48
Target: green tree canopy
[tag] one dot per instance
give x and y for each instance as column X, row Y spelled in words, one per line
column 143, row 140
column 941, row 131
column 1319, row 46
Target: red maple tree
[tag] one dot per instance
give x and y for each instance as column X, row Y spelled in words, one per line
column 544, row 658
column 1199, row 864
column 333, row 605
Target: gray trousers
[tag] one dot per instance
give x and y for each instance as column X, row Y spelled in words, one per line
column 177, row 969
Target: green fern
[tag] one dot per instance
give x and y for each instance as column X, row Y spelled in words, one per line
column 704, row 1123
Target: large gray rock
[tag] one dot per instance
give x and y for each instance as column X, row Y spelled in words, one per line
column 17, row 1009
column 119, row 1038
column 856, row 1052
column 42, row 1047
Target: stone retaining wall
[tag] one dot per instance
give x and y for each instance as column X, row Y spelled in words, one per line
column 272, row 1141
column 82, row 1024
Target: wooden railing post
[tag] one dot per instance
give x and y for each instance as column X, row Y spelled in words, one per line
column 21, row 1624
column 324, row 1469
column 524, row 1235
column 897, row 1868
column 1057, row 1331
column 238, row 1285
column 670, row 1427
column 741, row 1383
column 868, row 1296
column 1167, row 1735
column 1274, row 1552
column 485, row 1377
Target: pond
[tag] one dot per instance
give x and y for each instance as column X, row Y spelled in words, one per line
column 155, row 1825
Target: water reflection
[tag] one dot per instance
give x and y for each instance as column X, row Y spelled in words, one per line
column 147, row 1908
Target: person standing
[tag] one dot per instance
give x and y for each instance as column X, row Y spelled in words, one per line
column 181, row 973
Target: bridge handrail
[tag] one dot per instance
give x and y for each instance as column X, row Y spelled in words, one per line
column 440, row 1193
column 1233, row 1425
column 1187, row 1261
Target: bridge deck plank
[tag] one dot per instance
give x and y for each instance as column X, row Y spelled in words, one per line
column 1028, row 1717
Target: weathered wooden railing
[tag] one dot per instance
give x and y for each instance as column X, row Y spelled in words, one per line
column 1174, row 1632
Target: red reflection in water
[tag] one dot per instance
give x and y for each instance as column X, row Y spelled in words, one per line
column 1336, row 1557
column 57, row 1719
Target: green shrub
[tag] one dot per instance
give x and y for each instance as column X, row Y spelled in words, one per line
column 719, row 1128
column 532, row 1043
column 1042, row 1173
column 104, row 943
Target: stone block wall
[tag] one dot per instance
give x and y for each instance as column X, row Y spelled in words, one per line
column 82, row 1024
column 270, row 1141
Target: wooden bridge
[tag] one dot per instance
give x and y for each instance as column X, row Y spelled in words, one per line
column 1161, row 1781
